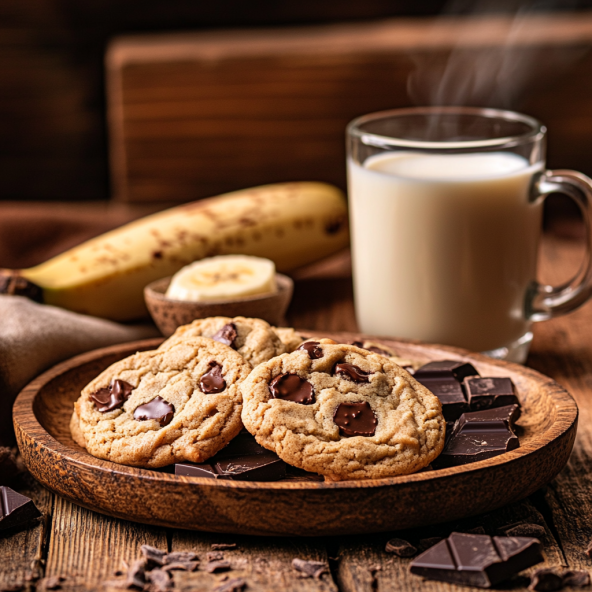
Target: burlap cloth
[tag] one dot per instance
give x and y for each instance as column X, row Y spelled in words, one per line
column 34, row 337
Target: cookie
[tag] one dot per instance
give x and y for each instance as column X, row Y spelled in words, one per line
column 164, row 406
column 253, row 339
column 288, row 337
column 343, row 412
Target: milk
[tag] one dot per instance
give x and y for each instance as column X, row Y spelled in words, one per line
column 444, row 246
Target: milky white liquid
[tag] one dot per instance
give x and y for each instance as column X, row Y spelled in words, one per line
column 444, row 246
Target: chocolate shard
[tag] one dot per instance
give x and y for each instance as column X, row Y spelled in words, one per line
column 355, row 419
column 154, row 555
column 576, row 578
column 313, row 349
column 447, row 369
column 241, row 445
column 15, row 509
column 196, row 470
column 212, row 381
column 312, row 569
column 400, row 548
column 232, row 585
column 485, row 393
column 545, row 580
column 351, row 372
column 477, row 560
column 217, row 566
column 478, row 435
column 136, row 575
column 158, row 409
column 160, row 580
column 180, row 556
column 290, row 387
column 226, row 335
column 260, row 467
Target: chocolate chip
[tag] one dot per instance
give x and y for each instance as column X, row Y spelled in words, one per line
column 355, row 419
column 524, row 529
column 226, row 335
column 313, row 349
column 113, row 396
column 312, row 569
column 356, row 343
column 216, row 566
column 290, row 387
column 212, row 381
column 158, row 409
column 351, row 372
column 545, row 580
column 154, row 555
column 400, row 548
column 15, row 509
column 576, row 578
column 215, row 556
column 223, row 546
column 232, row 585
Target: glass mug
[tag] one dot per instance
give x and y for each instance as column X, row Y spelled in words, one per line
column 446, row 214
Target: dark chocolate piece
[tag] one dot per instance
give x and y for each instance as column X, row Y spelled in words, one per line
column 355, row 419
column 290, row 387
column 312, row 349
column 545, row 580
column 477, row 560
column 351, row 372
column 158, row 409
column 212, row 381
column 15, row 509
column 232, row 585
column 400, row 548
column 160, row 580
column 113, row 396
column 485, row 393
column 447, row 369
column 576, row 578
column 242, row 445
column 196, row 470
column 313, row 569
column 477, row 436
column 154, row 555
column 379, row 351
column 226, row 335
column 216, row 566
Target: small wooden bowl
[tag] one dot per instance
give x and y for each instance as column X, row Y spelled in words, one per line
column 169, row 314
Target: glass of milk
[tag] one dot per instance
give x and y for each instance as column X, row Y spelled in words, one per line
column 445, row 214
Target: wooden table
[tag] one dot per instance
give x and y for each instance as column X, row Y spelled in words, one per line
column 86, row 548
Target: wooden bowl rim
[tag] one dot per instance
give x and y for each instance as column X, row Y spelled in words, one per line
column 24, row 417
column 155, row 290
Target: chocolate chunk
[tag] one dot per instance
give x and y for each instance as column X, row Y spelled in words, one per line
column 576, row 578
column 351, row 372
column 355, row 419
column 158, row 409
column 447, row 369
column 196, row 470
column 290, row 387
column 153, row 555
column 160, row 580
column 212, row 381
column 312, row 569
column 216, row 566
column 232, row 585
column 356, row 344
column 485, row 393
column 476, row 436
column 545, row 580
column 477, row 560
column 400, row 548
column 312, row 349
column 242, row 445
column 524, row 529
column 15, row 509
column 182, row 556
column 113, row 396
column 223, row 546
column 226, row 335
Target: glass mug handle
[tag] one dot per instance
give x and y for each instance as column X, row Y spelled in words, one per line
column 546, row 302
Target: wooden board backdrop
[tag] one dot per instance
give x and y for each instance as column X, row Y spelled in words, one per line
column 192, row 115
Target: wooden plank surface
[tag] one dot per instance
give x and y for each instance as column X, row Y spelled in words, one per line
column 86, row 548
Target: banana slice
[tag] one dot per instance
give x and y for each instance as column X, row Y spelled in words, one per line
column 223, row 278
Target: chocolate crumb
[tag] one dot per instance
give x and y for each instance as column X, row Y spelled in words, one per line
column 153, row 554
column 233, row 585
column 182, row 556
column 216, row 566
column 576, row 578
column 545, row 580
column 425, row 544
column 215, row 556
column 400, row 548
column 223, row 546
column 160, row 581
column 524, row 529
column 311, row 569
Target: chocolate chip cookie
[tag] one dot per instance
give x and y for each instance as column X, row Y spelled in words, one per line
column 164, row 406
column 344, row 412
column 253, row 339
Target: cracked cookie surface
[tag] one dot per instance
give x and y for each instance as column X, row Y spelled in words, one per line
column 253, row 339
column 163, row 406
column 343, row 412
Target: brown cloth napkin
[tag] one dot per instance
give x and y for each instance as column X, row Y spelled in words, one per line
column 34, row 337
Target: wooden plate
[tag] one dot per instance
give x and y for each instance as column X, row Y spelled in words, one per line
column 43, row 409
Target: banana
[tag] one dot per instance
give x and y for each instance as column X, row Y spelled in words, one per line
column 222, row 278
column 292, row 224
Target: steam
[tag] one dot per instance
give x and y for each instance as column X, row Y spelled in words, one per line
column 502, row 55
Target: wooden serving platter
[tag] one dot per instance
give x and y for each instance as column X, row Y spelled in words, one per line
column 42, row 413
